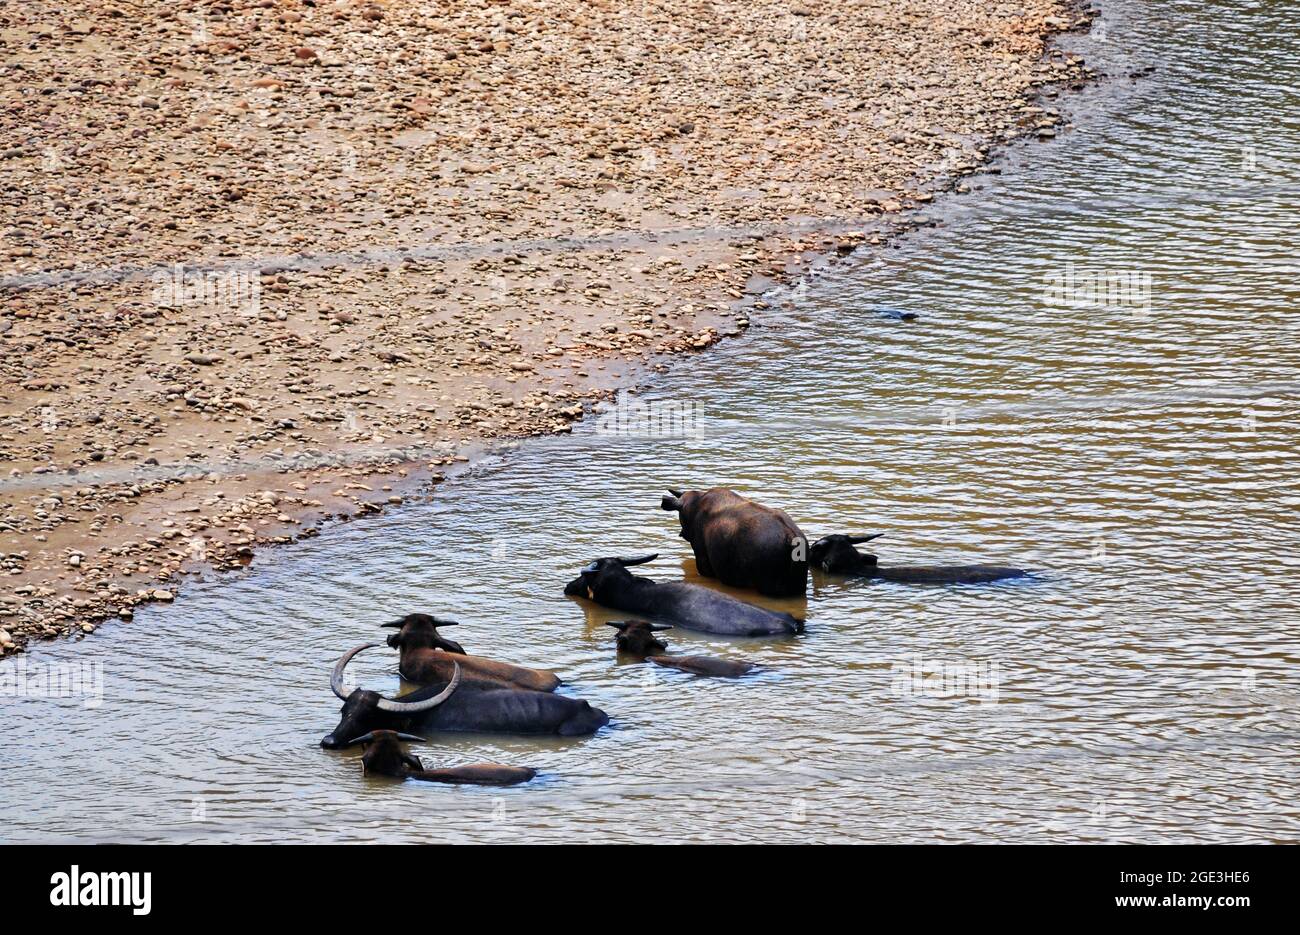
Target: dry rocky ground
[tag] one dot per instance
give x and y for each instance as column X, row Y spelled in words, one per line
column 406, row 227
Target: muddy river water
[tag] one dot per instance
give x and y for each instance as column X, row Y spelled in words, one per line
column 1132, row 438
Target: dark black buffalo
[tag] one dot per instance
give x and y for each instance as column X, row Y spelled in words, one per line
column 740, row 542
column 440, row 707
column 425, row 659
column 637, row 638
column 690, row 606
column 384, row 756
column 837, row 556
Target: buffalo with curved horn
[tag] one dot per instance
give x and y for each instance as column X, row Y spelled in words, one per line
column 384, row 756
column 637, row 638
column 740, row 542
column 437, row 708
column 836, row 555
column 425, row 658
column 608, row 582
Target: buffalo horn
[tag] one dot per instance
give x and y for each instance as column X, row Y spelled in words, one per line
column 336, row 677
column 414, row 707
column 638, row 560
column 366, row 738
column 858, row 540
column 675, row 493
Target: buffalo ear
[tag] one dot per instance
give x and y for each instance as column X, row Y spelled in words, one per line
column 412, row 761
column 670, row 503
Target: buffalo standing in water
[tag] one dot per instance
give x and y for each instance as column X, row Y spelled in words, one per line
column 740, row 542
column 637, row 638
column 837, row 556
column 425, row 659
column 384, row 756
column 690, row 606
column 436, row 708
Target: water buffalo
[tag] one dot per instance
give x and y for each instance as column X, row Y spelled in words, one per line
column 740, row 542
column 384, row 756
column 436, row 707
column 836, row 555
column 690, row 606
column 637, row 638
column 428, row 628
column 425, row 660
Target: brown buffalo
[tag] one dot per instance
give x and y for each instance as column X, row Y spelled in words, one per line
column 740, row 542
column 425, row 659
column 637, row 638
column 384, row 756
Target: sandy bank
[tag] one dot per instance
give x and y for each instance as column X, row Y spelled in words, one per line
column 406, row 229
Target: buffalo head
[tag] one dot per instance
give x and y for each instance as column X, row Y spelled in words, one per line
column 683, row 504
column 417, row 631
column 364, row 711
column 601, row 572
column 637, row 637
column 384, row 756
column 836, row 555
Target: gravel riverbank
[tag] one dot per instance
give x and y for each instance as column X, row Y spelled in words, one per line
column 270, row 263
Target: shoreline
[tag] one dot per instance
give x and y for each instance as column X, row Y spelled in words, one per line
column 298, row 376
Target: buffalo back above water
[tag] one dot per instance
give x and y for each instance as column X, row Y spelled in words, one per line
column 740, row 542
column 608, row 582
column 425, row 665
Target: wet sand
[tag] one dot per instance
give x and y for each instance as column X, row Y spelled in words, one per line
column 403, row 236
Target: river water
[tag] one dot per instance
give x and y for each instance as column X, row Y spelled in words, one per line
column 1139, row 452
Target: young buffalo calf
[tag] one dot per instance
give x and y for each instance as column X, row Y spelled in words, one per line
column 384, row 756
column 637, row 638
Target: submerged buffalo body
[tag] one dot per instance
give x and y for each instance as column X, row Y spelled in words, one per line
column 837, row 556
column 690, row 606
column 438, row 707
column 637, row 638
column 425, row 659
column 740, row 542
column 384, row 756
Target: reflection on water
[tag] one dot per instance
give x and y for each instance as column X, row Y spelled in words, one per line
column 1140, row 455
